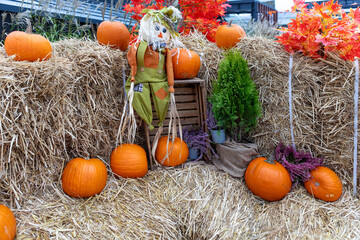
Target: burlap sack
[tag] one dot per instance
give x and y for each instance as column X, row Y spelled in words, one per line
column 234, row 157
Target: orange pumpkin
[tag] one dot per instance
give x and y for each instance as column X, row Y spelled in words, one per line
column 84, row 178
column 114, row 34
column 267, row 179
column 324, row 184
column 178, row 150
column 26, row 46
column 129, row 161
column 186, row 63
column 7, row 223
column 227, row 36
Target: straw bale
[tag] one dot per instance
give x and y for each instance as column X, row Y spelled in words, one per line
column 55, row 110
column 322, row 92
column 70, row 105
column 322, row 102
column 191, row 202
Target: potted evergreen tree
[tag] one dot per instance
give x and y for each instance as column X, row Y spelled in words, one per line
column 236, row 107
column 234, row 99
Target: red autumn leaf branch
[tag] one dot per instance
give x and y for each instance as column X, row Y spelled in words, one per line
column 324, row 28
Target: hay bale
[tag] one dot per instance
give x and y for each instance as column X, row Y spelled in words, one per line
column 192, row 202
column 322, row 102
column 55, row 110
column 70, row 105
column 322, row 98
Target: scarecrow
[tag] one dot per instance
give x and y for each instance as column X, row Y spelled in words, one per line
column 152, row 78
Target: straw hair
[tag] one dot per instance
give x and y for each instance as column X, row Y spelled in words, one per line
column 128, row 119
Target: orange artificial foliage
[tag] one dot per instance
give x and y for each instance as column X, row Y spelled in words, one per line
column 197, row 14
column 324, row 28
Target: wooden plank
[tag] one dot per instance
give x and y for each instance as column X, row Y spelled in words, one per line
column 182, row 106
column 187, row 81
column 184, row 90
column 185, row 121
column 183, row 114
column 166, row 129
column 185, row 98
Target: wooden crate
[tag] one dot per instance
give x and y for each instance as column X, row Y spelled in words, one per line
column 190, row 97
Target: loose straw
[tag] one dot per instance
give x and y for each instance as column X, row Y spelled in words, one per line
column 290, row 102
column 356, row 100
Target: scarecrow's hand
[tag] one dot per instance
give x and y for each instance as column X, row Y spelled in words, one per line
column 171, row 89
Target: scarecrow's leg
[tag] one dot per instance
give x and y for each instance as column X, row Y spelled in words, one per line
column 142, row 102
column 161, row 98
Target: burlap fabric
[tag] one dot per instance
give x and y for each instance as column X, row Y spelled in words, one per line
column 234, row 157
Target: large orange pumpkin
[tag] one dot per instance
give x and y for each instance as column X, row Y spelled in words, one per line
column 185, row 66
column 129, row 161
column 227, row 36
column 267, row 179
column 324, row 184
column 26, row 46
column 114, row 34
column 179, row 152
column 7, row 223
column 84, row 178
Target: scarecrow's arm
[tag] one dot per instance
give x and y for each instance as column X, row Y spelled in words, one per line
column 170, row 71
column 131, row 56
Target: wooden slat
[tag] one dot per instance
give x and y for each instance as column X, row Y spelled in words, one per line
column 166, row 129
column 191, row 81
column 185, row 121
column 183, row 114
column 184, row 98
column 184, row 90
column 182, row 106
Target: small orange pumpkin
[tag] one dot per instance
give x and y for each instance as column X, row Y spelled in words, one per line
column 267, row 179
column 7, row 223
column 114, row 34
column 227, row 36
column 27, row 46
column 129, row 161
column 179, row 152
column 185, row 66
column 84, row 178
column 324, row 184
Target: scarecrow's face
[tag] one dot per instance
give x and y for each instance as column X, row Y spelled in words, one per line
column 154, row 32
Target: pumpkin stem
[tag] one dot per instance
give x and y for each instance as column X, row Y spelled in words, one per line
column 270, row 160
column 28, row 28
column 229, row 25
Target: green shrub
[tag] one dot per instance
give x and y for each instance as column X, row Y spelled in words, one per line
column 234, row 99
